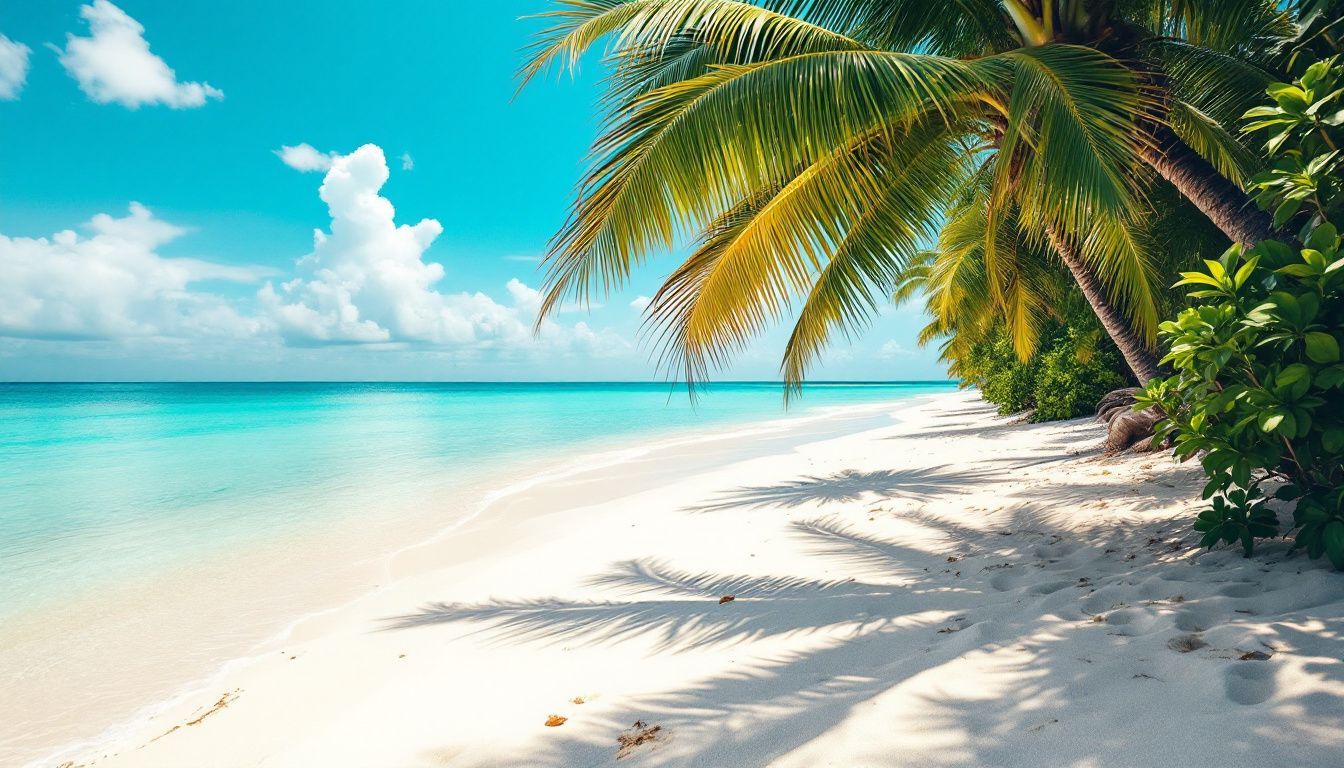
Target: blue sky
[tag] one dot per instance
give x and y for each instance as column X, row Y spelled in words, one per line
column 150, row 229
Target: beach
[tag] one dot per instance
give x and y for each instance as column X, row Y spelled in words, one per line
column 922, row 584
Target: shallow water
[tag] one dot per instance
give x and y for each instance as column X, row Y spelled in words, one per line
column 123, row 506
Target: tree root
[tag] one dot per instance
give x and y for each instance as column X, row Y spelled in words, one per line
column 1126, row 428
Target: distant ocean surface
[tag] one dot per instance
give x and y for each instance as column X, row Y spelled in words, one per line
column 150, row 533
column 100, row 482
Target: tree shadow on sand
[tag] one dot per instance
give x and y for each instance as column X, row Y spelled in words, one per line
column 1015, row 601
column 850, row 486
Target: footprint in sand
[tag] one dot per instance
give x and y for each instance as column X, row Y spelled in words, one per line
column 1186, row 643
column 1198, row 618
column 1249, row 682
column 1135, row 620
column 1240, row 589
column 1050, row 587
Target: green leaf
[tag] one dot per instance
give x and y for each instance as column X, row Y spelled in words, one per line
column 1333, row 538
column 1322, row 347
column 1330, row 377
column 1292, row 374
column 1333, row 440
column 1241, row 473
column 1297, row 270
column 1323, row 237
column 1289, row 97
column 1288, row 426
column 1197, row 278
column 1270, row 420
column 1286, row 210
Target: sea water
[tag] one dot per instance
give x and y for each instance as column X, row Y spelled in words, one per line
column 110, row 492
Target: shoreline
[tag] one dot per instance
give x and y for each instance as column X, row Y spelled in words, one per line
column 926, row 584
column 595, row 455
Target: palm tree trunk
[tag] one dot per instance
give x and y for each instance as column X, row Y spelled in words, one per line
column 1226, row 205
column 1141, row 360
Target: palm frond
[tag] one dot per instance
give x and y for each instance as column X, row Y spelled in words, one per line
column 1075, row 108
column 863, row 268
column 954, row 28
column 688, row 151
column 740, row 31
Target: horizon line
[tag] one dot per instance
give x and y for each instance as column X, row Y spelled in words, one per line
column 473, row 381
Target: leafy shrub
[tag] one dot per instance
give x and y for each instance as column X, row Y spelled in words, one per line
column 1303, row 127
column 1258, row 388
column 1074, row 373
column 1003, row 379
column 1074, row 368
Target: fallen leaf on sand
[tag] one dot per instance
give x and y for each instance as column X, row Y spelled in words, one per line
column 555, row 720
column 223, row 702
column 577, row 700
column 638, row 734
column 726, row 599
column 1254, row 656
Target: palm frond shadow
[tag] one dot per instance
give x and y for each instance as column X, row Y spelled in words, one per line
column 851, row 486
column 791, row 697
column 1068, row 434
column 679, row 608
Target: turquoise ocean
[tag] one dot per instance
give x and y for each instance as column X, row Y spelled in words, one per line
column 105, row 481
column 150, row 531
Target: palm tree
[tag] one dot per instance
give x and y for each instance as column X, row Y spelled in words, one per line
column 966, row 310
column 814, row 153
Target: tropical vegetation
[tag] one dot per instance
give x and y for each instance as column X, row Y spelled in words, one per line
column 822, row 154
column 1258, row 389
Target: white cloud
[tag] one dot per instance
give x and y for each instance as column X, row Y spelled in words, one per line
column 113, row 284
column 528, row 259
column 367, row 282
column 893, row 349
column 13, row 68
column 407, row 162
column 640, row 303
column 303, row 157
column 114, row 64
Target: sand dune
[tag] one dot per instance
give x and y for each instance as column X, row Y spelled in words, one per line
column 937, row 587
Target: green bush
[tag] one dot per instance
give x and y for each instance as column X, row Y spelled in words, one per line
column 1258, row 390
column 1074, row 373
column 1074, row 368
column 1003, row 379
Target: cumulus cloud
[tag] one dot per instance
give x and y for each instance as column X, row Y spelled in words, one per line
column 13, row 68
column 893, row 349
column 114, row 64
column 640, row 303
column 407, row 162
column 113, row 284
column 303, row 157
column 366, row 281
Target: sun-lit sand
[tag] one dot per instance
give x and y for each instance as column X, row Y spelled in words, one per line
column 938, row 587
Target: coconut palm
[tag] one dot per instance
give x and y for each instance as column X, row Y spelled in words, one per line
column 952, row 280
column 815, row 145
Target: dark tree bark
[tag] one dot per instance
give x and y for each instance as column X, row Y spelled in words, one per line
column 1226, row 204
column 1141, row 360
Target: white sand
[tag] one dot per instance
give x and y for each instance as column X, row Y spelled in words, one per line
column 938, row 588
